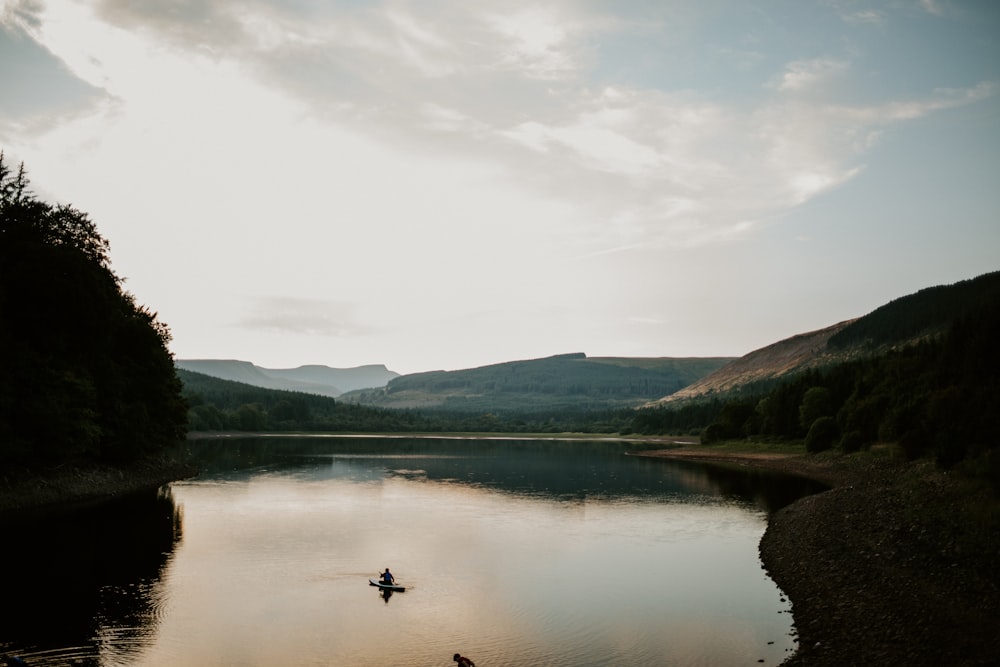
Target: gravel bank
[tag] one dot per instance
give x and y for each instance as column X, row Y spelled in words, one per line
column 892, row 566
column 27, row 493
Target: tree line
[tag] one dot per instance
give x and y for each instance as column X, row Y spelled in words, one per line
column 88, row 376
column 937, row 398
column 222, row 405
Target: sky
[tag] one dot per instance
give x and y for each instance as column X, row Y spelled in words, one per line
column 446, row 184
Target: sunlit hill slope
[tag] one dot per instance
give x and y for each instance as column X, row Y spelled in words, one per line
column 899, row 323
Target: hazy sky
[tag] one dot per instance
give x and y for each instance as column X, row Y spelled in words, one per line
column 451, row 183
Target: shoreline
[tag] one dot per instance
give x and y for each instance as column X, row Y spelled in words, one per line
column 874, row 574
column 27, row 494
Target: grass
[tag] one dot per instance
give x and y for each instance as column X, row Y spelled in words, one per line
column 789, row 447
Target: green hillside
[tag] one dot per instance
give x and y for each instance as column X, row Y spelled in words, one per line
column 223, row 405
column 562, row 381
column 927, row 312
column 906, row 321
column 930, row 383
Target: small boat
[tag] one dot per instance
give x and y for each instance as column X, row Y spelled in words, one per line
column 395, row 588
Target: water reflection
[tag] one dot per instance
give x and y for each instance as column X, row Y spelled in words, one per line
column 80, row 581
column 524, row 552
column 565, row 470
column 767, row 490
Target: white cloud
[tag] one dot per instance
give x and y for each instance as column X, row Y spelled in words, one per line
column 931, row 7
column 639, row 165
column 806, row 75
column 310, row 317
column 406, row 158
column 443, row 119
column 870, row 16
column 419, row 46
column 536, row 42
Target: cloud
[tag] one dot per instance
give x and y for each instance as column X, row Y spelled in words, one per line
column 869, row 16
column 349, row 98
column 307, row 317
column 806, row 75
column 536, row 42
column 931, row 7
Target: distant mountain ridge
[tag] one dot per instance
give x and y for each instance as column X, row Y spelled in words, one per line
column 902, row 321
column 575, row 381
column 310, row 379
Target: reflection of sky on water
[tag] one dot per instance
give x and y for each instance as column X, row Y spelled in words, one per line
column 516, row 552
column 569, row 470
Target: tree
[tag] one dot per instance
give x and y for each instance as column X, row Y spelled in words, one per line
column 816, row 403
column 88, row 373
column 821, row 435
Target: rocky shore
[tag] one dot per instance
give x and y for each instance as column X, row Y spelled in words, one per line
column 895, row 565
column 26, row 493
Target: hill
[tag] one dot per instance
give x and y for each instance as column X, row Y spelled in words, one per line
column 558, row 382
column 312, row 379
column 223, row 405
column 215, row 404
column 902, row 322
column 770, row 363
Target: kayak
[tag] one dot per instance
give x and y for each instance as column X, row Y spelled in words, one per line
column 395, row 588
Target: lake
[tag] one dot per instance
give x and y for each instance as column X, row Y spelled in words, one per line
column 513, row 552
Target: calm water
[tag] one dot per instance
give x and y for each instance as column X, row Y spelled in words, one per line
column 513, row 552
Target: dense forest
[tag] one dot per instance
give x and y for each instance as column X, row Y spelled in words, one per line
column 88, row 376
column 939, row 397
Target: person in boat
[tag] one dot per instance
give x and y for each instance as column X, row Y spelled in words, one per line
column 463, row 661
column 387, row 577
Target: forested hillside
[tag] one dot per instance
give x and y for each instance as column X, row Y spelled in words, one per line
column 908, row 320
column 564, row 381
column 926, row 313
column 939, row 396
column 87, row 376
column 313, row 379
column 222, row 405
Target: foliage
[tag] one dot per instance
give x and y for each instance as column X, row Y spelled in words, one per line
column 821, row 435
column 938, row 398
column 558, row 383
column 926, row 311
column 223, row 405
column 89, row 375
column 816, row 404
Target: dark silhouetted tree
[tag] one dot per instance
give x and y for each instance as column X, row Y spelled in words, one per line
column 88, row 373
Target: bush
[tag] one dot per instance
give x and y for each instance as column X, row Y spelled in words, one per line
column 914, row 444
column 713, row 433
column 852, row 441
column 821, row 435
